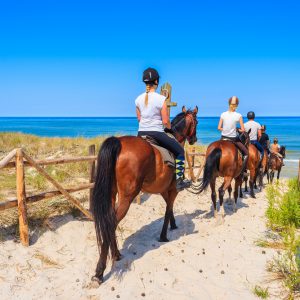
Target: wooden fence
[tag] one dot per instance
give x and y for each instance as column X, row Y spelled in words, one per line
column 19, row 159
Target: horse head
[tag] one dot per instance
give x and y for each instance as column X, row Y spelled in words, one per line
column 282, row 151
column 244, row 137
column 184, row 125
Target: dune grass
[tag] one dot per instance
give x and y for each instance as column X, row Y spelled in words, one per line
column 68, row 174
column 283, row 217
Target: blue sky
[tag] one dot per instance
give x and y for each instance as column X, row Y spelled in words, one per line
column 85, row 58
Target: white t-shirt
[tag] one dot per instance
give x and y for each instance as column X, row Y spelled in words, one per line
column 151, row 119
column 254, row 129
column 230, row 119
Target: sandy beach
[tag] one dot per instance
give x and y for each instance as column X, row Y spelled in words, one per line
column 205, row 258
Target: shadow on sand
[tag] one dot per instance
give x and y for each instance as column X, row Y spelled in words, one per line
column 146, row 239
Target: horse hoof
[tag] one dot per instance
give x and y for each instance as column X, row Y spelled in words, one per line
column 253, row 196
column 118, row 257
column 163, row 240
column 173, row 227
column 96, row 281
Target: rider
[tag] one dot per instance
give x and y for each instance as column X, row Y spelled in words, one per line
column 255, row 133
column 264, row 139
column 227, row 125
column 275, row 148
column 152, row 114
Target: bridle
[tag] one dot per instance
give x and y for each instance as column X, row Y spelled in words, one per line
column 191, row 132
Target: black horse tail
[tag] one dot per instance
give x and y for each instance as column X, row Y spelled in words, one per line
column 211, row 166
column 101, row 206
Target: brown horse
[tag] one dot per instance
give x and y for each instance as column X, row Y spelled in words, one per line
column 223, row 159
column 262, row 170
column 126, row 166
column 253, row 166
column 275, row 163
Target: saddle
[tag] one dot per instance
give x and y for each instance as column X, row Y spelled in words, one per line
column 233, row 141
column 167, row 156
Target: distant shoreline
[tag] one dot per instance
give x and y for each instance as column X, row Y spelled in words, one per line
column 117, row 117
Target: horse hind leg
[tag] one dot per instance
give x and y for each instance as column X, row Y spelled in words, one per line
column 222, row 189
column 214, row 196
column 229, row 191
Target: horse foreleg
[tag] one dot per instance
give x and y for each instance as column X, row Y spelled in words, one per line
column 222, row 189
column 278, row 173
column 246, row 187
column 238, row 183
column 214, row 196
column 169, row 197
column 251, row 182
column 166, row 195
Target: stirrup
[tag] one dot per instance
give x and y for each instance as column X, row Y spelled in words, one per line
column 182, row 184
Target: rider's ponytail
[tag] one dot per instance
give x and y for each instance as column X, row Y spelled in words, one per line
column 147, row 91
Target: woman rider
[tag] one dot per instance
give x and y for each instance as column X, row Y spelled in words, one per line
column 227, row 125
column 152, row 114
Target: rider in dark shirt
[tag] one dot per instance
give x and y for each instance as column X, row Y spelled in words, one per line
column 264, row 139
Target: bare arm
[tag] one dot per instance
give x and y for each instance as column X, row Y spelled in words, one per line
column 220, row 124
column 259, row 134
column 242, row 124
column 138, row 113
column 165, row 116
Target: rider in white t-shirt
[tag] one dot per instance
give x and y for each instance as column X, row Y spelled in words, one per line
column 152, row 114
column 227, row 125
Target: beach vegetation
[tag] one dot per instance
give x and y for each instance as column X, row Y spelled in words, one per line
column 261, row 292
column 283, row 217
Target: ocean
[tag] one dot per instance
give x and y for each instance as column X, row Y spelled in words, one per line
column 286, row 129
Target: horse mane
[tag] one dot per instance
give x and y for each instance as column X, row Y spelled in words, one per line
column 178, row 123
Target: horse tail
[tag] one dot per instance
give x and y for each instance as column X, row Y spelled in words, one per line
column 211, row 166
column 104, row 213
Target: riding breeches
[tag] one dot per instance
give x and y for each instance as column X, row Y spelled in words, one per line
column 165, row 141
column 259, row 147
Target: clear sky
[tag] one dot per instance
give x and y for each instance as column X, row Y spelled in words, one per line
column 85, row 58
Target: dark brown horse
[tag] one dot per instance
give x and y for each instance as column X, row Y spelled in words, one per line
column 275, row 163
column 223, row 159
column 126, row 166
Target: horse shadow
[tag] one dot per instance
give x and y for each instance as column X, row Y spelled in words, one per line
column 146, row 239
column 228, row 207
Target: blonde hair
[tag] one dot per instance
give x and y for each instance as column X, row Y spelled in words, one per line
column 148, row 86
column 235, row 98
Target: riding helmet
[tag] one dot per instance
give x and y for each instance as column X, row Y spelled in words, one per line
column 251, row 115
column 150, row 75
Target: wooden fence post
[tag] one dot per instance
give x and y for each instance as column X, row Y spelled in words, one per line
column 92, row 151
column 21, row 196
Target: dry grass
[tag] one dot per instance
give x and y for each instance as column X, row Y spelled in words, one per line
column 47, row 262
column 68, row 174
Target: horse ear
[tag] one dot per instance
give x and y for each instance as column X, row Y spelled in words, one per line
column 183, row 109
column 249, row 131
column 195, row 111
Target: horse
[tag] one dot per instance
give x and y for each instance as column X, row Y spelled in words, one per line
column 126, row 166
column 275, row 163
column 253, row 165
column 223, row 159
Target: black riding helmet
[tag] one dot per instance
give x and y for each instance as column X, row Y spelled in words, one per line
column 251, row 115
column 150, row 75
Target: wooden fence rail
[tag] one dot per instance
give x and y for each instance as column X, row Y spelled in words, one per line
column 22, row 160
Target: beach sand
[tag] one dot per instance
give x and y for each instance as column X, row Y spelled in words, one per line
column 205, row 258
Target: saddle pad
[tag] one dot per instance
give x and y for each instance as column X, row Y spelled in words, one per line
column 167, row 156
